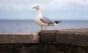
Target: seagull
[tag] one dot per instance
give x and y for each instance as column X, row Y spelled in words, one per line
column 42, row 20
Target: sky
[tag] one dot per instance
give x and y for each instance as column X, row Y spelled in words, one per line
column 53, row 9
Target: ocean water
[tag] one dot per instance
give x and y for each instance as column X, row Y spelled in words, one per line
column 19, row 26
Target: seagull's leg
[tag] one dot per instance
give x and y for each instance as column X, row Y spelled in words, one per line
column 41, row 27
column 45, row 27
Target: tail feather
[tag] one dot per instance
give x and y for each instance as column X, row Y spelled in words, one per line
column 57, row 22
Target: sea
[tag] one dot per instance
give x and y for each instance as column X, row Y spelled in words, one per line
column 26, row 26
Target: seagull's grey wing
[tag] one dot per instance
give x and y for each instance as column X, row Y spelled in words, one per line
column 46, row 20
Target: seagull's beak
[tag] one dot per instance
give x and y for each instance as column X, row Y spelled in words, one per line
column 34, row 7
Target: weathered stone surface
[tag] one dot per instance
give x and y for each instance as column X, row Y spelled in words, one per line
column 47, row 36
column 50, row 42
column 14, row 38
column 80, row 39
column 66, row 37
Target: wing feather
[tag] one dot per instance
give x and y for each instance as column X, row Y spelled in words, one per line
column 46, row 20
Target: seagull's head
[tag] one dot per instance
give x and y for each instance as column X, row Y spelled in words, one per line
column 36, row 6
